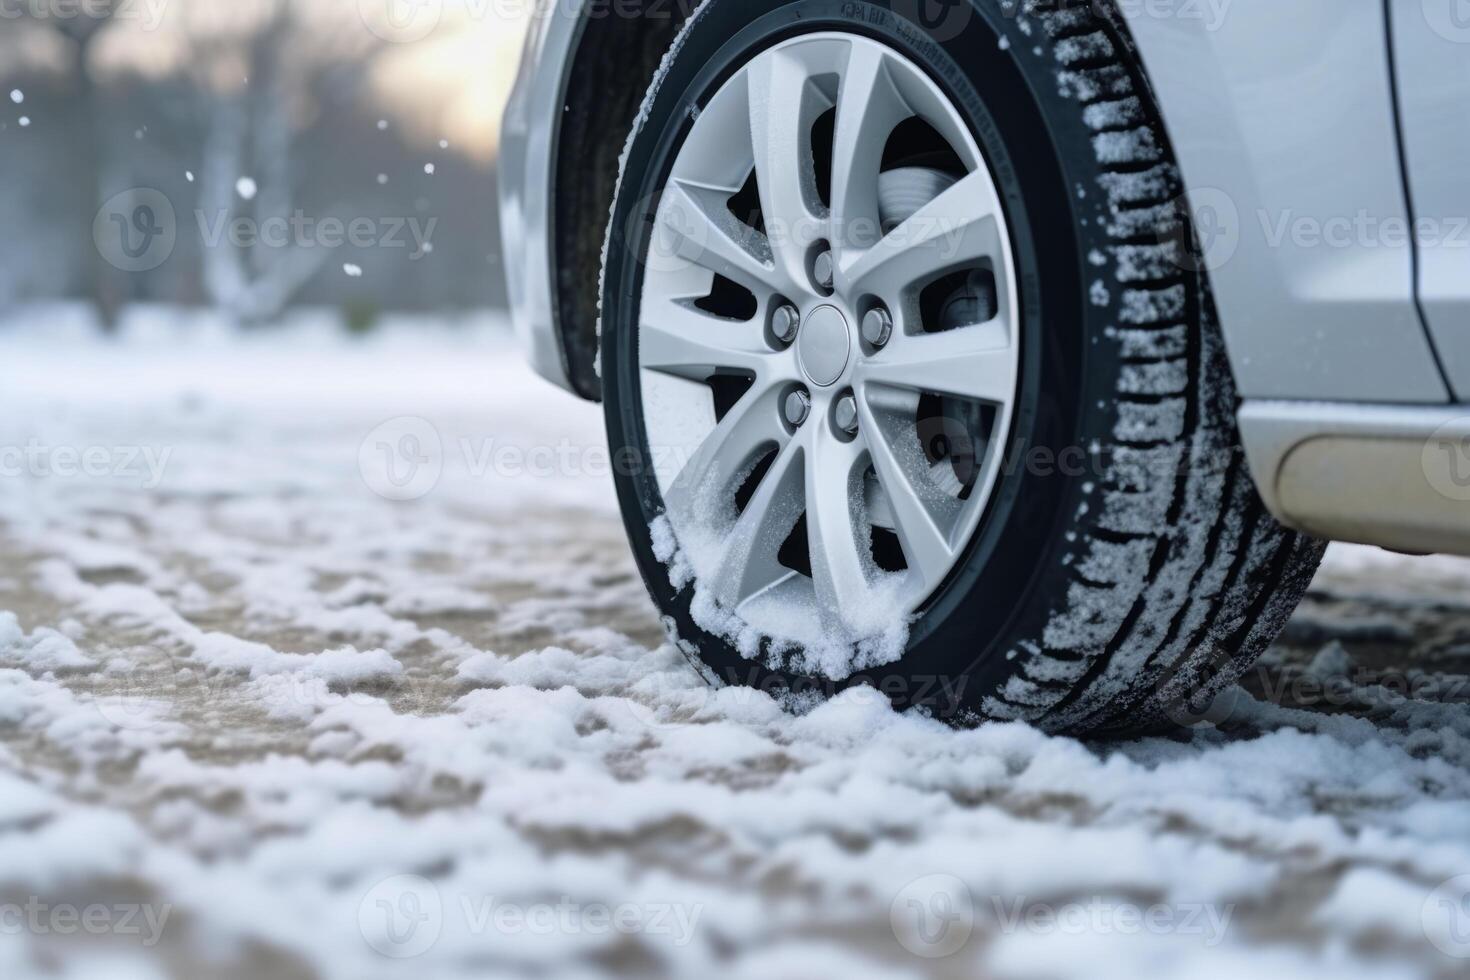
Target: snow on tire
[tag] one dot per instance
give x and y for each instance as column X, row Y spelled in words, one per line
column 1123, row 594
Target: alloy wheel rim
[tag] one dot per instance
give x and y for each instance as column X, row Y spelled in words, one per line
column 863, row 507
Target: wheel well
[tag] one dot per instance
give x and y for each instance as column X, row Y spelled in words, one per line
column 615, row 60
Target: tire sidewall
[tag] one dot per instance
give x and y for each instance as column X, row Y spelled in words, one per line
column 1015, row 570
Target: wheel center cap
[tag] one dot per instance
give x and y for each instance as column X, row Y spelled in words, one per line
column 824, row 345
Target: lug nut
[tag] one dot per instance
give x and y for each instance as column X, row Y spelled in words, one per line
column 846, row 414
column 877, row 327
column 798, row 407
column 822, row 270
column 784, row 323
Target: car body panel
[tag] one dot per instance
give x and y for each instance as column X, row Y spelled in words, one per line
column 1431, row 43
column 1282, row 119
column 1397, row 476
column 527, row 161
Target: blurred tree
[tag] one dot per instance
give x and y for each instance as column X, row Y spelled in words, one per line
column 254, row 128
column 105, row 287
column 326, row 118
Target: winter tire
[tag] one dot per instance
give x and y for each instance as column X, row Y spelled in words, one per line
column 911, row 374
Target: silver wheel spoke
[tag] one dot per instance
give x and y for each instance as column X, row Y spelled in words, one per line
column 868, row 107
column 680, row 340
column 831, row 527
column 902, row 472
column 707, row 482
column 955, row 229
column 965, row 362
column 697, row 226
column 749, row 565
column 783, row 108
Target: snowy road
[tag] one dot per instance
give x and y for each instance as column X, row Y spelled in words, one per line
column 259, row 721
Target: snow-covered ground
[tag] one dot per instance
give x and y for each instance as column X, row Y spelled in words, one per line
column 259, row 719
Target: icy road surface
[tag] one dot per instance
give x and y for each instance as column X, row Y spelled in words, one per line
column 259, row 721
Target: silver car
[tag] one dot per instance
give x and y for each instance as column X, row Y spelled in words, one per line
column 1014, row 358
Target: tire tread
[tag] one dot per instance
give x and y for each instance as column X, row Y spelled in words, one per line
column 1183, row 577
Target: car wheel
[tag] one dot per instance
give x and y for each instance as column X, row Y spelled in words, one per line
column 911, row 375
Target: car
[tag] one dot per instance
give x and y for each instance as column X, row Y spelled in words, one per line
column 1013, row 359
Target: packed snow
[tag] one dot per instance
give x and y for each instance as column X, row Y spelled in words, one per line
column 323, row 656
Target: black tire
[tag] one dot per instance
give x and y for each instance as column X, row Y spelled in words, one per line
column 1136, row 574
